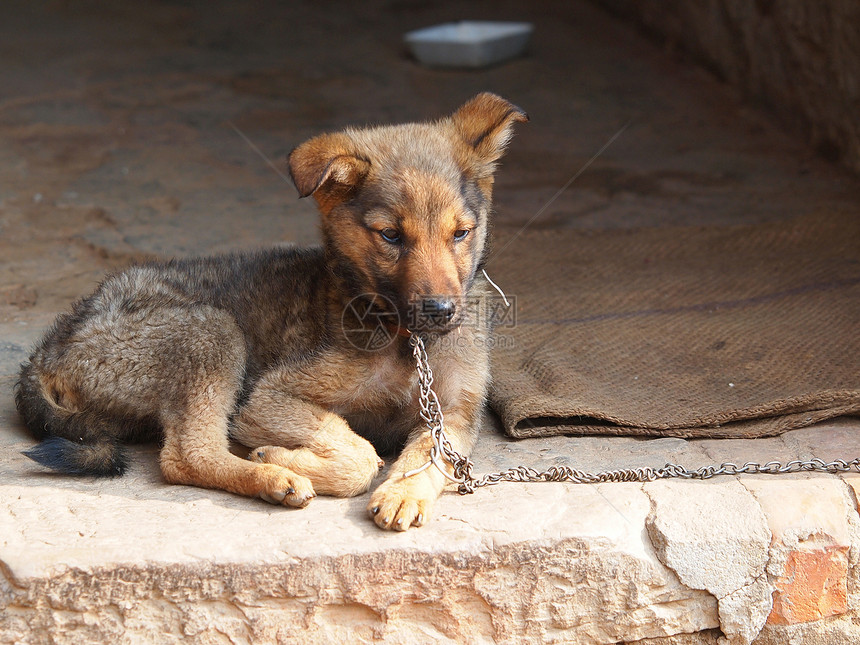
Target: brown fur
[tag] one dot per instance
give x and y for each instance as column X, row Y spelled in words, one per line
column 252, row 346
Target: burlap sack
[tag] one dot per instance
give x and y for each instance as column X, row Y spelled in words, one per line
column 691, row 332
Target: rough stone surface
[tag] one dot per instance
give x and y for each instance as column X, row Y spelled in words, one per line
column 716, row 540
column 801, row 59
column 116, row 145
column 809, row 549
column 811, row 534
column 710, row 637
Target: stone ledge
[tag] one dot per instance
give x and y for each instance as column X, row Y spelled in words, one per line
column 134, row 560
column 511, row 594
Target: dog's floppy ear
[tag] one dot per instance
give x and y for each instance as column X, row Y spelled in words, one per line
column 327, row 163
column 485, row 124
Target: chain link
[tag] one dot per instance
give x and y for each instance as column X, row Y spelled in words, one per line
column 442, row 451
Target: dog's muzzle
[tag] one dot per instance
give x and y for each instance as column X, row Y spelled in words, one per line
column 434, row 313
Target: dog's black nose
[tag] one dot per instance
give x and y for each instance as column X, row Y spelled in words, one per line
column 439, row 308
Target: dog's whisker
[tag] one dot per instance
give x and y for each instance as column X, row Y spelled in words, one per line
column 497, row 287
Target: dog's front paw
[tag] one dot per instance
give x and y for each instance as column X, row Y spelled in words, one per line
column 403, row 502
column 288, row 488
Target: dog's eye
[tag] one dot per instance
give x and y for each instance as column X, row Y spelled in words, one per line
column 390, row 235
column 461, row 234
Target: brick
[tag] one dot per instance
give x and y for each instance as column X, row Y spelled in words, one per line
column 813, row 585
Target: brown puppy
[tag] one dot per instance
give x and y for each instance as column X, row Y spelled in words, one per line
column 300, row 354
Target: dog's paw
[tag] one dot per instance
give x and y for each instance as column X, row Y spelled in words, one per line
column 272, row 455
column 289, row 489
column 401, row 503
column 343, row 473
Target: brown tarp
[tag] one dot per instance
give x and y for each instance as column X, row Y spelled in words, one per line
column 742, row 331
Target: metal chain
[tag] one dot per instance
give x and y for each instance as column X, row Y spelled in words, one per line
column 442, row 451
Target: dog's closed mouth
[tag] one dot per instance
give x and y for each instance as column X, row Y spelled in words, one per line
column 438, row 314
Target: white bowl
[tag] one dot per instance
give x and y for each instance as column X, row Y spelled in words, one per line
column 469, row 43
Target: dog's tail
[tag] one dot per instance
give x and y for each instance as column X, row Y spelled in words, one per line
column 74, row 442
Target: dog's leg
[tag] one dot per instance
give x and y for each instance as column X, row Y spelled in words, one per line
column 195, row 415
column 307, row 440
column 181, row 364
column 196, row 453
column 401, row 502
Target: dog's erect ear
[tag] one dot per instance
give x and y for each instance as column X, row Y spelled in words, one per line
column 328, row 162
column 485, row 124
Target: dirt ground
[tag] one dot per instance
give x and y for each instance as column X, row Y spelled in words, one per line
column 130, row 131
